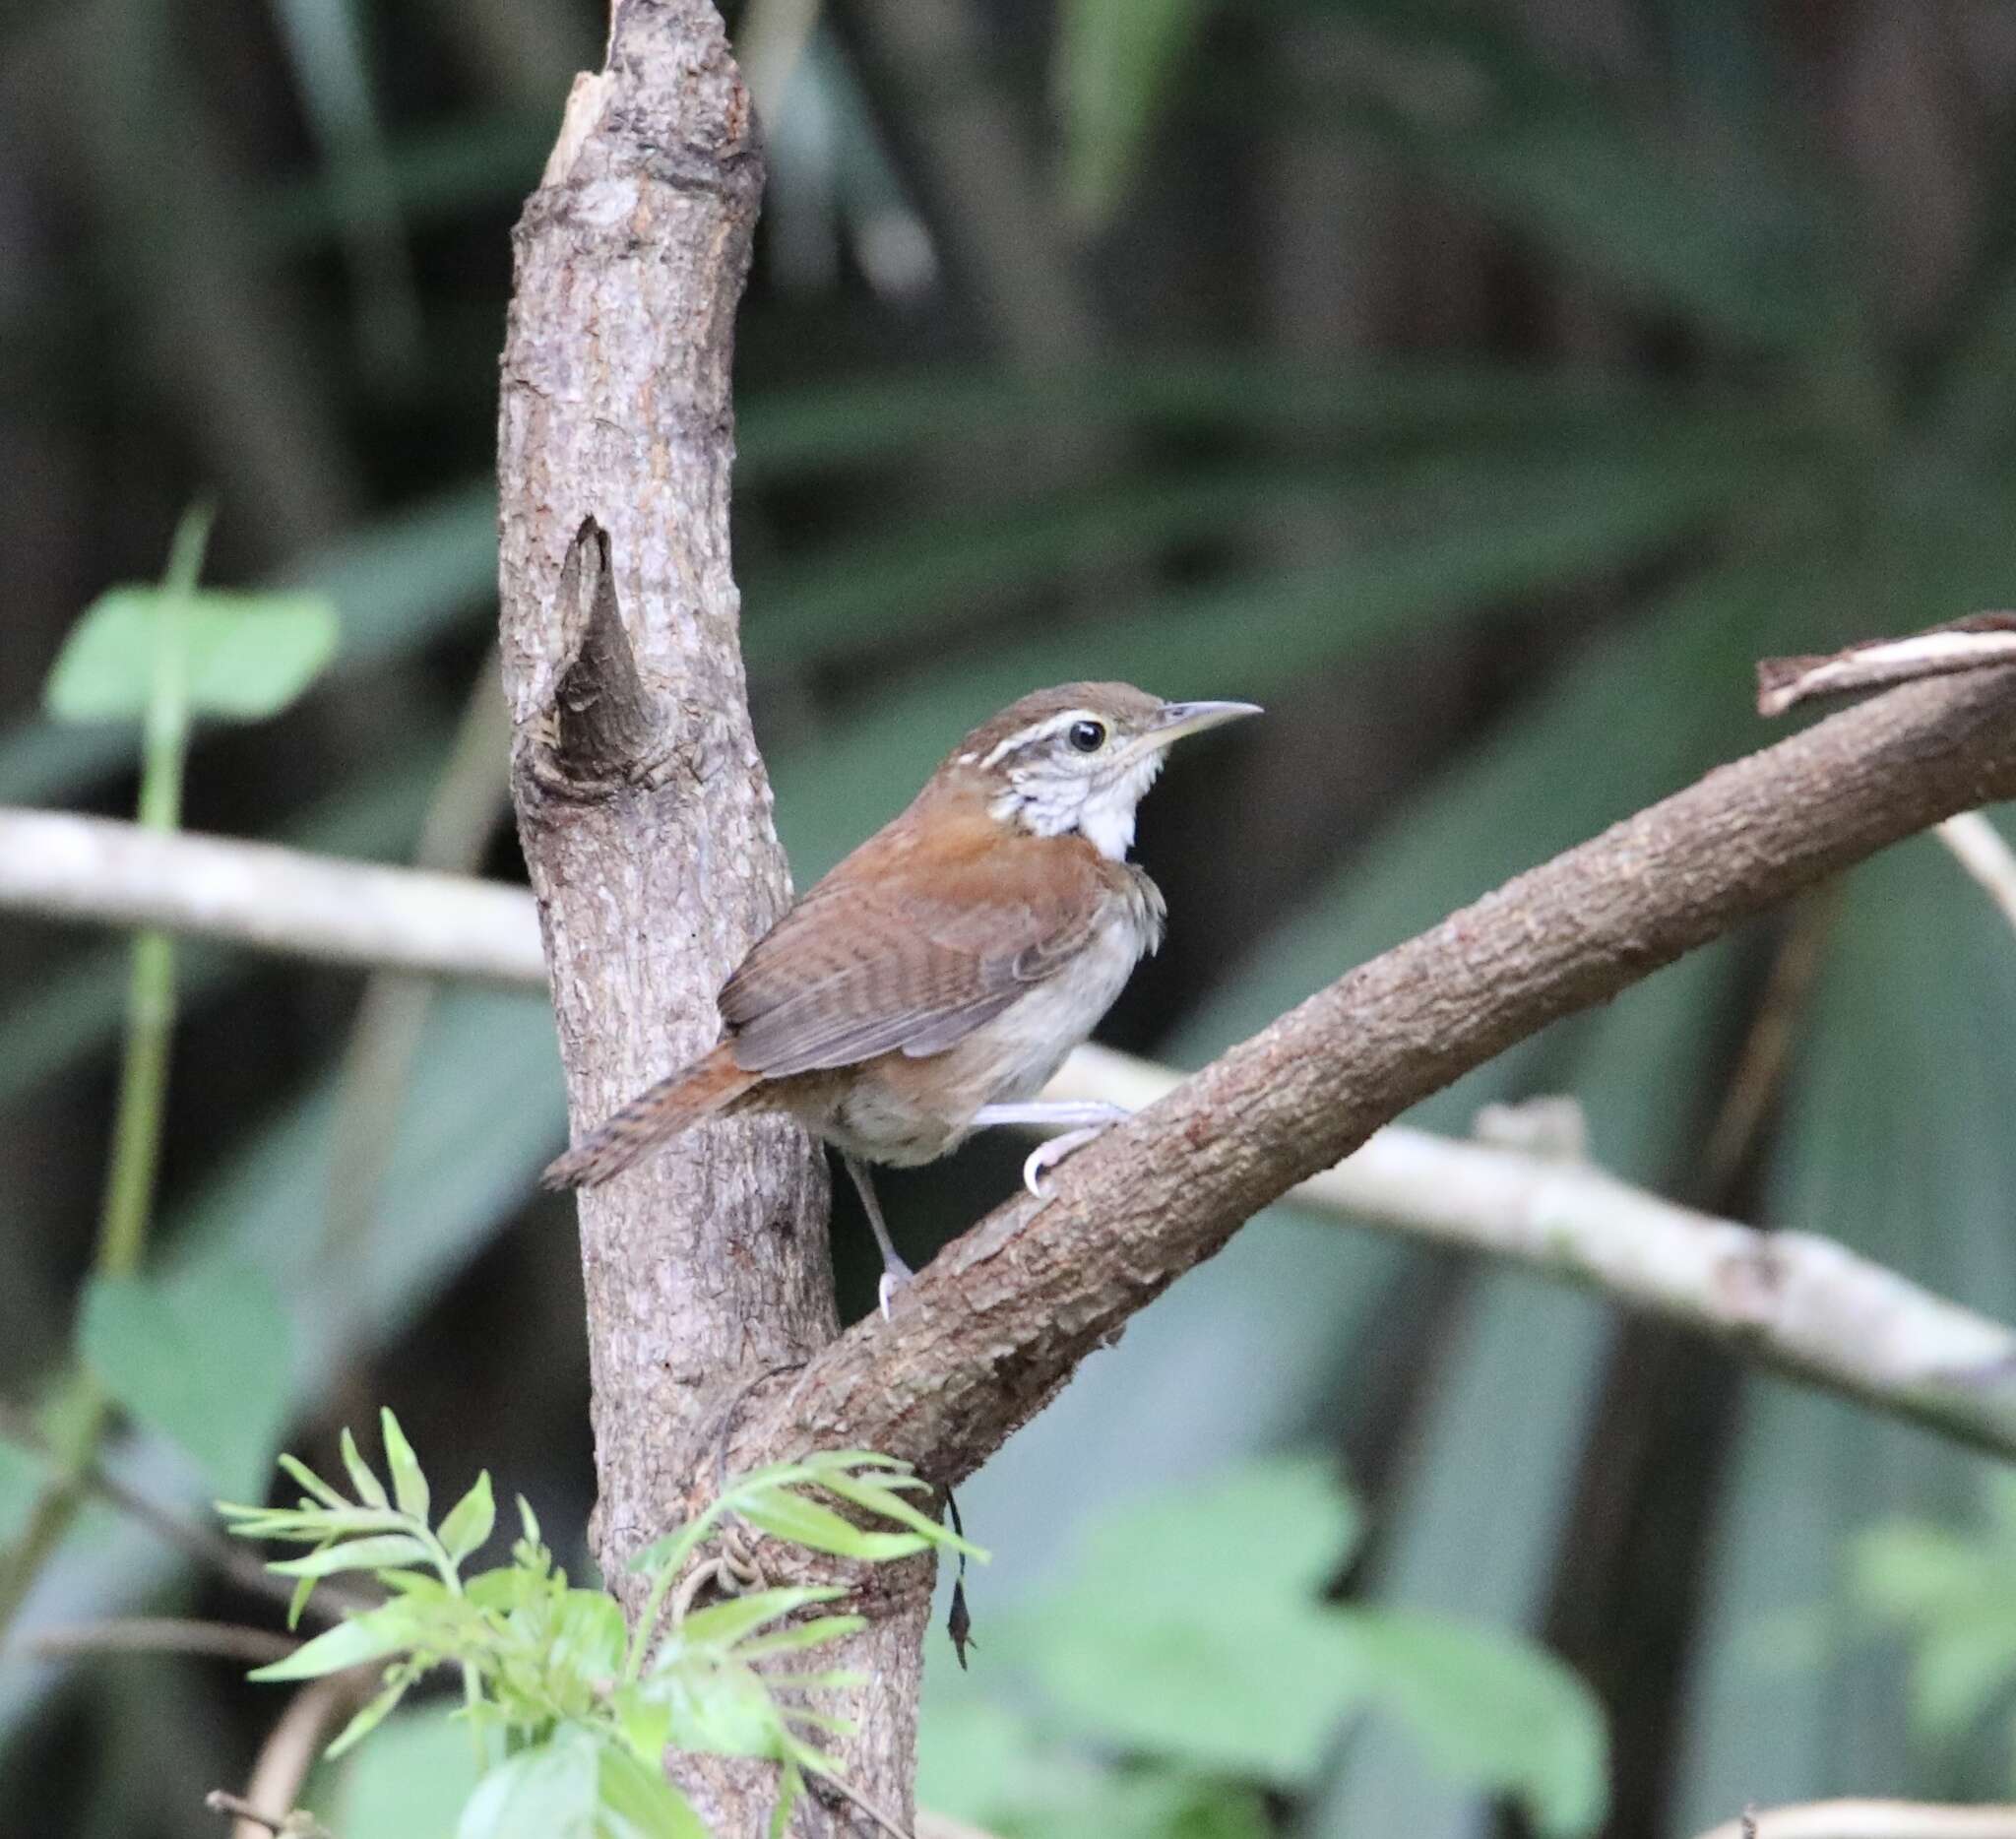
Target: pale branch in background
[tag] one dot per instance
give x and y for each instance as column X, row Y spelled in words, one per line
column 932, row 1825
column 1983, row 854
column 1871, row 1819
column 1801, row 1305
column 63, row 866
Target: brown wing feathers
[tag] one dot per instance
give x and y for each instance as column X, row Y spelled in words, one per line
column 888, row 953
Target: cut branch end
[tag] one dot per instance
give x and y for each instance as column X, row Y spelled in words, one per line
column 606, row 723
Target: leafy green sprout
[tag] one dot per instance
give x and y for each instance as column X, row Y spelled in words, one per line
column 584, row 1708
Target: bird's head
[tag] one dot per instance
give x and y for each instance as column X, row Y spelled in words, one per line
column 1080, row 757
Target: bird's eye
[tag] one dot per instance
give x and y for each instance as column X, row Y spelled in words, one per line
column 1088, row 736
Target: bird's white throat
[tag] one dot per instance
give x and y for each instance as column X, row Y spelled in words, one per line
column 1051, row 804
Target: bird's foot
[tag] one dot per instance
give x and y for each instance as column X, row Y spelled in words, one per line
column 1046, row 1156
column 894, row 1278
column 1088, row 1116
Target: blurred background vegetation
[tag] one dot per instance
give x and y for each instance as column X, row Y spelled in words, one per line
column 1484, row 388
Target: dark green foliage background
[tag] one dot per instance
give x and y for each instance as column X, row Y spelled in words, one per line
column 1483, row 390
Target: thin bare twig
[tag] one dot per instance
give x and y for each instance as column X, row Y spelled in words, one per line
column 163, row 1634
column 1981, row 641
column 847, row 1791
column 205, row 1544
column 289, row 1753
column 248, row 1822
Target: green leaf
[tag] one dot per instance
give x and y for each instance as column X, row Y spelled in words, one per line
column 1956, row 1599
column 786, row 1515
column 1492, row 1710
column 1114, row 61
column 1192, row 1629
column 638, row 1803
column 884, row 1500
column 371, row 1635
column 380, row 1551
column 722, row 1624
column 981, row 1762
column 410, row 1484
column 646, row 1723
column 310, row 1481
column 586, row 1633
column 1264, row 1699
column 470, row 1520
column 24, row 1473
column 486, row 1108
column 548, row 1792
column 368, row 1718
column 203, row 1357
column 799, row 1636
column 249, row 655
column 667, row 1549
column 370, row 1490
column 1276, row 1531
column 723, row 1708
column 409, row 1782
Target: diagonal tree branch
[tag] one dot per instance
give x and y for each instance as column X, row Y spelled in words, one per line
column 999, row 1320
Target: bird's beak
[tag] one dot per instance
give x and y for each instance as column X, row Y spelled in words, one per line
column 1179, row 719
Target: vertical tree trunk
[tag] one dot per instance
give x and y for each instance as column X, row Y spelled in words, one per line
column 642, row 802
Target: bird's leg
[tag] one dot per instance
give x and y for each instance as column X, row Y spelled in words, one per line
column 1081, row 1121
column 895, row 1273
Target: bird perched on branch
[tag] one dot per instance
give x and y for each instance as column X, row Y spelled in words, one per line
column 933, row 982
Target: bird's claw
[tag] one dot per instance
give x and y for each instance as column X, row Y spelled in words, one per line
column 890, row 1285
column 1046, row 1156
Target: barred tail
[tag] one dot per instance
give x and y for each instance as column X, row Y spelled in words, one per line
column 675, row 1103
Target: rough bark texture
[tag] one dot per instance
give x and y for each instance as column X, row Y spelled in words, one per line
column 1000, row 1318
column 642, row 802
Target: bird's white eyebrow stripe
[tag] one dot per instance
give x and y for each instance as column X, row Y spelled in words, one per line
column 1035, row 731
